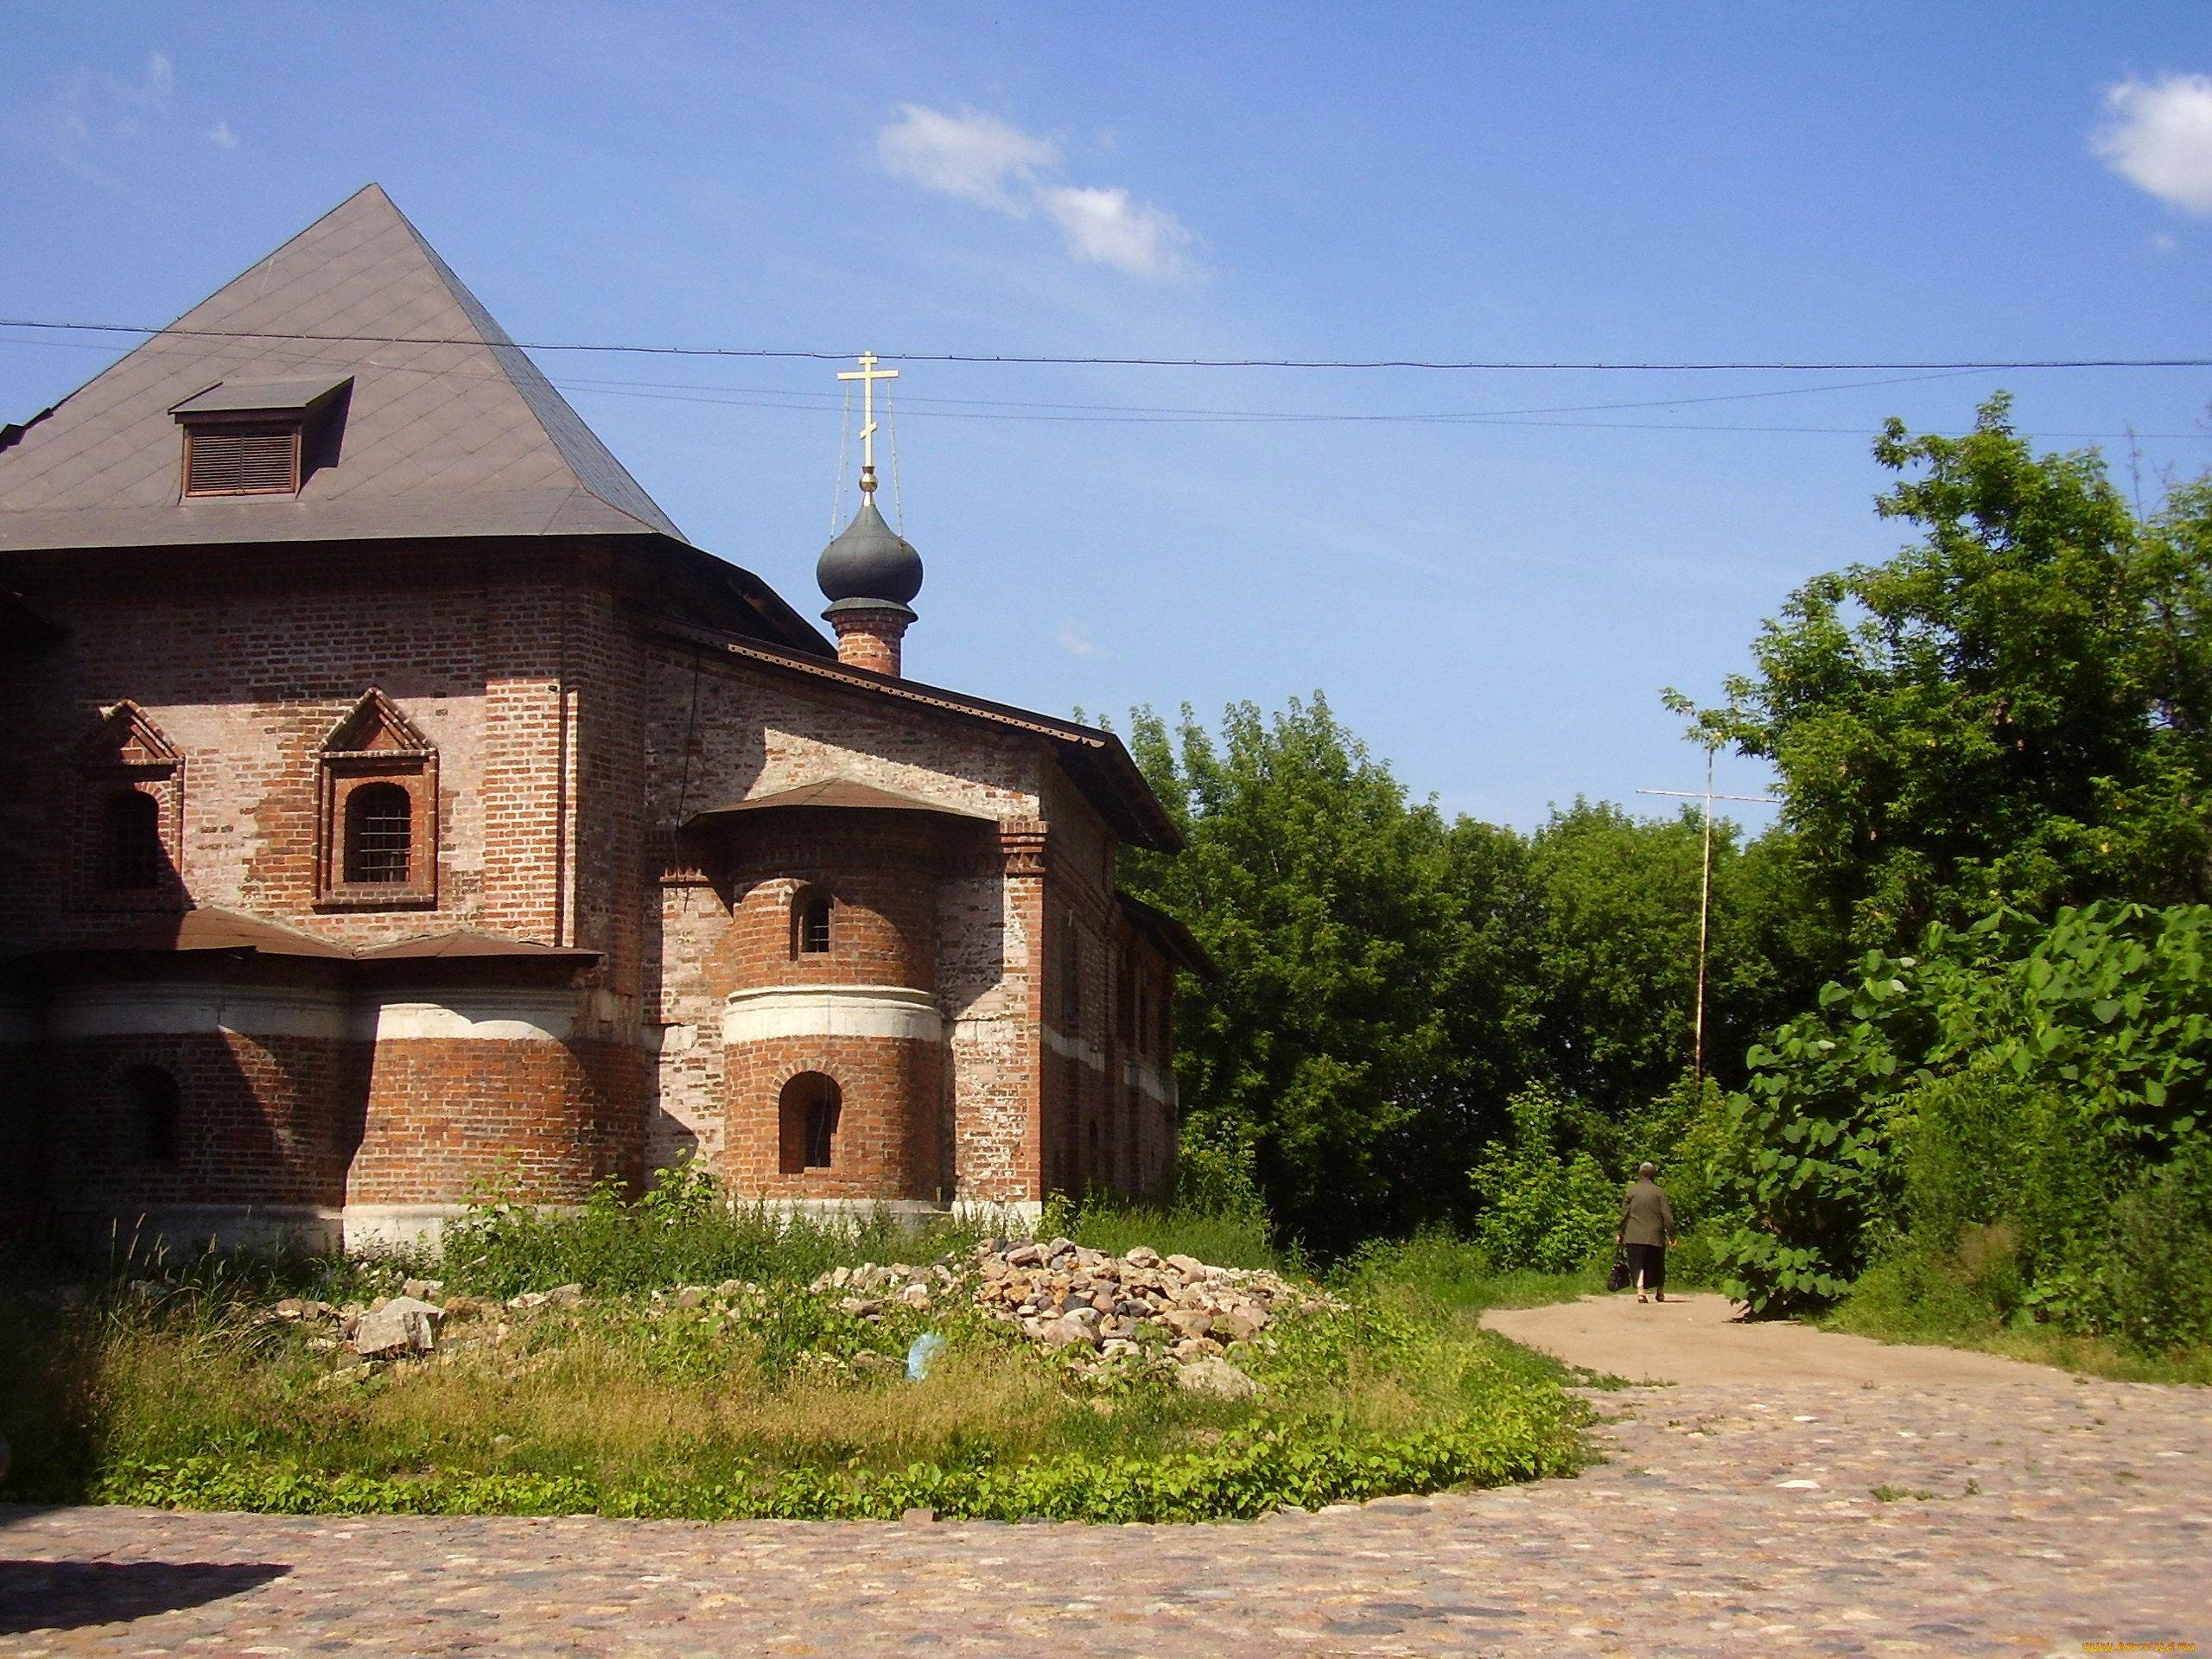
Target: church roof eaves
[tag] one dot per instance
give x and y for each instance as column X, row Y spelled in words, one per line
column 847, row 793
column 452, row 430
column 209, row 928
column 1096, row 761
column 1175, row 941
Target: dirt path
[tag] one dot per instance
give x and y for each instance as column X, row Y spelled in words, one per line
column 1694, row 1339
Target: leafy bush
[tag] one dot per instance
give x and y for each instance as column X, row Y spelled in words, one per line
column 1216, row 1170
column 2160, row 1278
column 1545, row 1206
column 1527, row 1435
column 2052, row 1083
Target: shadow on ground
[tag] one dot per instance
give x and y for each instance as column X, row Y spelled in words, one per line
column 69, row 1595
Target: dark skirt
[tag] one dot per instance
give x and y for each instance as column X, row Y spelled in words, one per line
column 1651, row 1260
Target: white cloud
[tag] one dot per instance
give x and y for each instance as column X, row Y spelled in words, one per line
column 968, row 154
column 88, row 112
column 1104, row 228
column 221, row 137
column 980, row 158
column 1073, row 641
column 2160, row 138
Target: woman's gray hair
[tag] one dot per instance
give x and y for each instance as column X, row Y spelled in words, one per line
column 1647, row 1169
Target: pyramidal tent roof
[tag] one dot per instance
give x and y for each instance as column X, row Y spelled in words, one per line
column 460, row 437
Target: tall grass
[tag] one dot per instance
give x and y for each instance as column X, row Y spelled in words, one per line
column 183, row 1387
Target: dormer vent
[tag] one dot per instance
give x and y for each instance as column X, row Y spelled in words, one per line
column 260, row 437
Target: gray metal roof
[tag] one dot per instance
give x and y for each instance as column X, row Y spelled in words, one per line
column 240, row 396
column 848, row 793
column 460, row 437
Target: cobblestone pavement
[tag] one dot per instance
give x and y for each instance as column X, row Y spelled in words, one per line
column 2014, row 1518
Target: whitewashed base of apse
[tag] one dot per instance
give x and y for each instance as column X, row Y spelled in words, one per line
column 128, row 1010
column 785, row 1011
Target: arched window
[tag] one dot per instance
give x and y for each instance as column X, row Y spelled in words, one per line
column 131, row 856
column 151, row 1095
column 380, row 833
column 807, row 1117
column 812, row 924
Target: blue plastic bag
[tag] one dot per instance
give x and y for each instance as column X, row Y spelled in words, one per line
column 923, row 1354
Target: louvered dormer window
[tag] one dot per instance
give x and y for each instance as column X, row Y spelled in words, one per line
column 253, row 460
column 260, row 437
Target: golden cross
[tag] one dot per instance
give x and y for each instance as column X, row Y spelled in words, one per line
column 867, row 374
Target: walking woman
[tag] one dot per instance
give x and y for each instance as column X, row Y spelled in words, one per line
column 1646, row 1229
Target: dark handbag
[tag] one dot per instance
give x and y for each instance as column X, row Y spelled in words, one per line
column 1617, row 1279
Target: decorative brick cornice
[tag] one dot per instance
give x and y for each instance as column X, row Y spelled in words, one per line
column 1023, row 842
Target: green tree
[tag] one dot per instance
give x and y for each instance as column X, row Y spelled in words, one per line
column 1614, row 902
column 1371, row 1009
column 2014, row 709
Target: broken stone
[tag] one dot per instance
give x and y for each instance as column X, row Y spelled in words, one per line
column 396, row 1326
column 1078, row 1299
column 1217, row 1376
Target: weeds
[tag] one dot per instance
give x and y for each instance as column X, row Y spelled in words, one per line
column 171, row 1381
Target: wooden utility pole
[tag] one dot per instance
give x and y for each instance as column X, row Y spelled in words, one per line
column 1705, row 901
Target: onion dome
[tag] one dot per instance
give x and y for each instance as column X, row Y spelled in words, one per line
column 869, row 561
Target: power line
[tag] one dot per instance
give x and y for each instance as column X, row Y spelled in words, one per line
column 1046, row 360
column 1200, row 418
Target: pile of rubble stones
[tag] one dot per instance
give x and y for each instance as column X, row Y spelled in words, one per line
column 1064, row 1295
column 418, row 1320
column 1101, row 1310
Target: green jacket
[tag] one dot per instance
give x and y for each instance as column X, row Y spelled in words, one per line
column 1646, row 1216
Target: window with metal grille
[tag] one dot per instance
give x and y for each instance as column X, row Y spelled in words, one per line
column 131, row 856
column 258, row 459
column 814, row 926
column 380, row 833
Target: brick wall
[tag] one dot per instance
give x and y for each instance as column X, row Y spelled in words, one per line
column 722, row 731
column 887, row 1139
column 570, row 750
column 260, row 1119
column 544, row 1119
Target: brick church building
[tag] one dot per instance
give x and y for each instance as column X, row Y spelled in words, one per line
column 393, row 804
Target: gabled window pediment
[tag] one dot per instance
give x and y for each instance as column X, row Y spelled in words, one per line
column 375, row 726
column 128, row 814
column 127, row 737
column 376, row 811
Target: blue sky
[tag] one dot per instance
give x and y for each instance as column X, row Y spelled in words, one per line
column 1493, row 603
